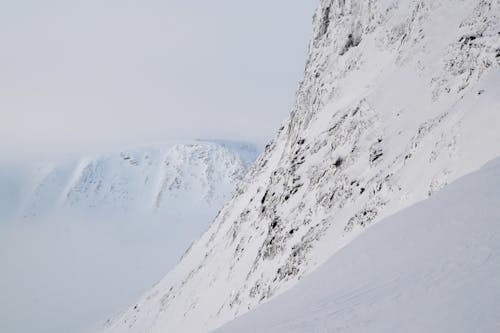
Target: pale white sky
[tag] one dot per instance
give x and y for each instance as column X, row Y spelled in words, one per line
column 85, row 74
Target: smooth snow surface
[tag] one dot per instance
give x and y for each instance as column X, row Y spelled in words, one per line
column 434, row 267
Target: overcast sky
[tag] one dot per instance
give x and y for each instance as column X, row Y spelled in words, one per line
column 99, row 73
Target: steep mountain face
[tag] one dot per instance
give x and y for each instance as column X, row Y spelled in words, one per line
column 165, row 179
column 399, row 98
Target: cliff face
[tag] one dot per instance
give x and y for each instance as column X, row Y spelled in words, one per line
column 399, row 98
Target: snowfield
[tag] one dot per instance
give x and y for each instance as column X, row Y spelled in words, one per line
column 433, row 267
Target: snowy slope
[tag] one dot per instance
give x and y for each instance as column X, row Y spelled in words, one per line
column 162, row 179
column 433, row 267
column 399, row 98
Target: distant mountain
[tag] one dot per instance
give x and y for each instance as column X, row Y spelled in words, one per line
column 83, row 237
column 165, row 179
column 399, row 99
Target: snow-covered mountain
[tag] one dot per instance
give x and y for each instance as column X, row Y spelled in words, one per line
column 82, row 237
column 433, row 267
column 163, row 179
column 399, row 98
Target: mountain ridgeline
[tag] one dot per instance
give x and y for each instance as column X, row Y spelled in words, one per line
column 399, row 98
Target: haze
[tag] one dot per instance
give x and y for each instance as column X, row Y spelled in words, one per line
column 79, row 75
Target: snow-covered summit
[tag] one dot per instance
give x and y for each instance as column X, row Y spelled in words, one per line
column 399, row 98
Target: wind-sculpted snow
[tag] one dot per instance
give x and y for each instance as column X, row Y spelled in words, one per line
column 399, row 98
